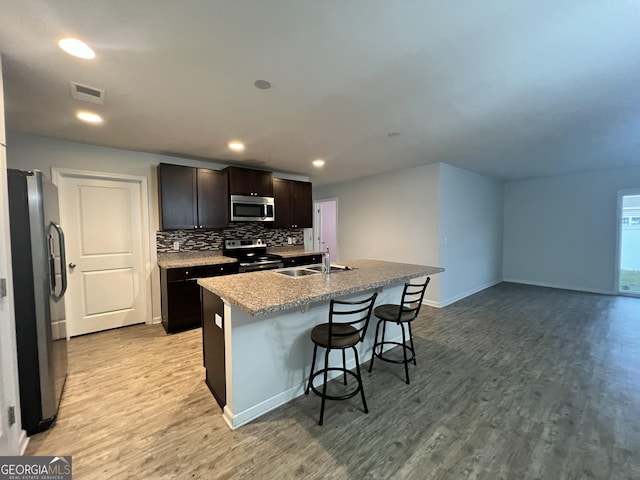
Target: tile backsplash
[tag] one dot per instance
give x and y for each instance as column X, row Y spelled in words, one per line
column 193, row 240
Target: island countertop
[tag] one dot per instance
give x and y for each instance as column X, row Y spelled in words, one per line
column 264, row 292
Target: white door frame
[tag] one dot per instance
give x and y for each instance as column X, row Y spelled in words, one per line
column 621, row 193
column 57, row 174
column 13, row 440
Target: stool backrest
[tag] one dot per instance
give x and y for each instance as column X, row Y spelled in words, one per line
column 412, row 296
column 355, row 314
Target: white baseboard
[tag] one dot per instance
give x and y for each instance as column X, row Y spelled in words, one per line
column 455, row 298
column 431, row 303
column 236, row 420
column 23, row 442
column 155, row 320
column 560, row 286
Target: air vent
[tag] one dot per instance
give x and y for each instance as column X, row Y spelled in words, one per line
column 87, row 93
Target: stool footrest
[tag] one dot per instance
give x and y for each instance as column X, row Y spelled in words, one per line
column 336, row 397
column 397, row 344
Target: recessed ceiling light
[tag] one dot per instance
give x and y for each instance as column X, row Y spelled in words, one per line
column 89, row 117
column 318, row 162
column 236, row 146
column 77, row 48
column 262, row 84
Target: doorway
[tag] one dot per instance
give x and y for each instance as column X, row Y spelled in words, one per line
column 326, row 226
column 629, row 242
column 105, row 218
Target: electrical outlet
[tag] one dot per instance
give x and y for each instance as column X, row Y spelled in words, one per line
column 290, row 240
column 176, row 245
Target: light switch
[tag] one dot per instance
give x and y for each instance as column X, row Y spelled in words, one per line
column 218, row 321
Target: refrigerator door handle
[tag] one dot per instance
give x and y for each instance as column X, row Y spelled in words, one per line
column 52, row 262
column 63, row 262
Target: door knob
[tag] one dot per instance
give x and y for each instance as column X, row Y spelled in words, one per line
column 72, row 265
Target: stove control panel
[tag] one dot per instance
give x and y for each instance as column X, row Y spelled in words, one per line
column 245, row 243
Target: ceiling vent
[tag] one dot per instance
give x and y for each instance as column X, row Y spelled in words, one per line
column 87, row 93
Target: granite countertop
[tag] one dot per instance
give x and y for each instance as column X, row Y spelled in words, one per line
column 192, row 259
column 215, row 257
column 261, row 293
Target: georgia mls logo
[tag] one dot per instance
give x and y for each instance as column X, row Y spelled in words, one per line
column 35, row 468
column 62, row 466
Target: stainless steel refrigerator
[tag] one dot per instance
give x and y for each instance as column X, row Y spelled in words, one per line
column 39, row 283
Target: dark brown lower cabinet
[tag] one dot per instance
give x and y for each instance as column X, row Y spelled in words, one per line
column 302, row 260
column 213, row 345
column 180, row 298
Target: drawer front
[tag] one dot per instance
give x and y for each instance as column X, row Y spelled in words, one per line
column 221, row 269
column 180, row 274
column 302, row 260
column 201, row 271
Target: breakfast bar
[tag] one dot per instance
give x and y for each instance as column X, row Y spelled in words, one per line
column 256, row 325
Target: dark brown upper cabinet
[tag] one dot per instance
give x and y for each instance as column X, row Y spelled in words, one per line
column 246, row 181
column 192, row 198
column 293, row 204
column 213, row 198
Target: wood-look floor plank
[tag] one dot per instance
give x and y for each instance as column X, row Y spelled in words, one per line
column 515, row 382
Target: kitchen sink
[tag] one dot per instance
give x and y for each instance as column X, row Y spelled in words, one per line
column 334, row 268
column 310, row 270
column 297, row 272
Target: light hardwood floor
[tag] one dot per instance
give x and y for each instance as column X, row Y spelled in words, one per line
column 515, row 382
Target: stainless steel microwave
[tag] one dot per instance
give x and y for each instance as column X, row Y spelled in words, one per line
column 246, row 208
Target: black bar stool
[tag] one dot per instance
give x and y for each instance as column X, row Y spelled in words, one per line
column 340, row 335
column 401, row 315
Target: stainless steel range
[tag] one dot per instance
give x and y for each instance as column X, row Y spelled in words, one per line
column 251, row 254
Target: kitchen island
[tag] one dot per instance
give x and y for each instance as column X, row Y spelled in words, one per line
column 256, row 329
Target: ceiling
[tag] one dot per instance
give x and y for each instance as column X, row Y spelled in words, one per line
column 508, row 89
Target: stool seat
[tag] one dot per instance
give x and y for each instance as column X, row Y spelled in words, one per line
column 402, row 314
column 391, row 313
column 341, row 335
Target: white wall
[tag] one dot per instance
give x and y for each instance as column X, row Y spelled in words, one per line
column 406, row 215
column 471, row 229
column 391, row 217
column 40, row 153
column 12, row 439
column 562, row 231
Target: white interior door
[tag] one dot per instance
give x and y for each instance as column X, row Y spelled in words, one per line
column 102, row 218
column 326, row 226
